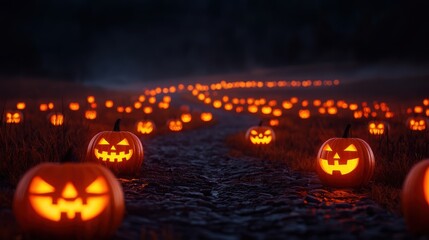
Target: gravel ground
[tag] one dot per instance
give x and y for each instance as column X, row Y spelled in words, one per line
column 191, row 188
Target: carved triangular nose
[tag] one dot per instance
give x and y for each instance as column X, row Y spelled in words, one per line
column 336, row 156
column 113, row 148
column 69, row 191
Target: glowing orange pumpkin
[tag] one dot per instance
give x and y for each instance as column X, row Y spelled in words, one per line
column 417, row 123
column 71, row 200
column 56, row 119
column 74, row 106
column 91, row 114
column 13, row 117
column 206, row 116
column 186, row 117
column 121, row 151
column 175, row 125
column 377, row 127
column 145, row 127
column 260, row 135
column 415, row 198
column 345, row 162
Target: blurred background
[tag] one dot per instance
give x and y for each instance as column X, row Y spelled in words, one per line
column 147, row 40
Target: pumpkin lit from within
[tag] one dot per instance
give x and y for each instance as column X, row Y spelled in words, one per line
column 13, row 117
column 121, row 151
column 71, row 200
column 56, row 119
column 20, row 105
column 74, row 106
column 417, row 123
column 377, row 127
column 186, row 117
column 260, row 135
column 415, row 198
column 145, row 127
column 90, row 114
column 175, row 125
column 345, row 162
column 206, row 116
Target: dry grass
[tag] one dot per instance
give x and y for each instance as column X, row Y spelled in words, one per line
column 298, row 142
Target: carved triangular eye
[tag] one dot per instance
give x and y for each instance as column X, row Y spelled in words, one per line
column 254, row 132
column 350, row 148
column 98, row 186
column 124, row 142
column 103, row 141
column 40, row 186
column 327, row 148
column 268, row 132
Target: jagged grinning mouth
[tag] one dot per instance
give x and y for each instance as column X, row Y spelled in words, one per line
column 258, row 140
column 342, row 168
column 113, row 156
column 376, row 131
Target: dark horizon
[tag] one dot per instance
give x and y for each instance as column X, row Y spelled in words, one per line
column 83, row 40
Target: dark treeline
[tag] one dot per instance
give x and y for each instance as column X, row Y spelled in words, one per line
column 83, row 40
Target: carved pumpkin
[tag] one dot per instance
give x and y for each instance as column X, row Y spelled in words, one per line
column 91, row 114
column 71, row 200
column 56, row 119
column 377, row 127
column 145, row 127
column 20, row 105
column 415, row 198
column 206, row 116
column 74, row 106
column 260, row 135
column 186, row 117
column 417, row 123
column 13, row 117
column 121, row 151
column 175, row 125
column 345, row 162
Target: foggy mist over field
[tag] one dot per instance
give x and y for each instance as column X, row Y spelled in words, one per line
column 121, row 41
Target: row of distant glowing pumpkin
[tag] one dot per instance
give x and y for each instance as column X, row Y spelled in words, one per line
column 269, row 107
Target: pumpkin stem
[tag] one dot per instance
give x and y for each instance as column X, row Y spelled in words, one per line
column 346, row 133
column 69, row 156
column 260, row 123
column 116, row 128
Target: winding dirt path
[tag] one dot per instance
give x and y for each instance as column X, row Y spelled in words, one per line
column 192, row 188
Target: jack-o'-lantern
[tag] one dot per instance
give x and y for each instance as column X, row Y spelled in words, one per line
column 70, row 200
column 148, row 110
column 91, row 114
column 43, row 107
column 56, row 119
column 175, row 125
column 145, row 126
column 345, row 162
column 260, row 135
column 20, row 105
column 274, row 122
column 206, row 116
column 186, row 117
column 74, row 106
column 415, row 198
column 121, row 151
column 417, row 123
column 13, row 117
column 108, row 103
column 377, row 127
column 304, row 113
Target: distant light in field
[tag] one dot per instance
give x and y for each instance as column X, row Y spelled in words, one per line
column 120, row 109
column 43, row 107
column 142, row 98
column 20, row 105
column 207, row 100
column 426, row 101
column 90, row 99
column 287, row 105
column 332, row 110
column 108, row 103
column 225, row 99
column 147, row 109
column 357, row 114
column 217, row 104
column 74, row 106
column 93, row 105
column 152, row 100
column 277, row 112
column 228, row 106
column 353, row 106
column 272, row 103
column 304, row 103
column 51, row 105
column 304, row 113
column 90, row 114
column 137, row 105
column 317, row 102
column 293, row 100
column 128, row 109
column 418, row 109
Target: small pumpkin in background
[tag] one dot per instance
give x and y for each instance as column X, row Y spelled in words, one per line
column 260, row 135
column 145, row 127
column 186, row 117
column 206, row 116
column 13, row 117
column 417, row 123
column 56, row 119
column 415, row 198
column 175, row 125
column 378, row 127
column 70, row 200
column 345, row 162
column 120, row 151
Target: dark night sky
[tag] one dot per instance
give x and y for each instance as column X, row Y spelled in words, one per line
column 85, row 40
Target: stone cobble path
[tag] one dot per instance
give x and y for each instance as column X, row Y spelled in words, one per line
column 191, row 188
